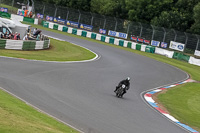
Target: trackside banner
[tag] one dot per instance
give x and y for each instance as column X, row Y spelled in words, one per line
column 40, row 15
column 49, row 18
column 197, row 53
column 86, row 27
column 163, row 45
column 155, row 43
column 3, row 9
column 117, row 34
column 72, row 24
column 177, row 46
column 59, row 21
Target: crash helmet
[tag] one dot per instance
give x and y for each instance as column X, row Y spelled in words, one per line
column 128, row 78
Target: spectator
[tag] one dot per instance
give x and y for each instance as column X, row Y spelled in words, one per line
column 25, row 13
column 30, row 14
column 34, row 31
column 18, row 36
column 26, row 36
column 15, row 36
column 38, row 37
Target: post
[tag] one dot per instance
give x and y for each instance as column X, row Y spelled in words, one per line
column 91, row 19
column 13, row 3
column 186, row 40
column 115, row 24
column 175, row 35
column 197, row 43
column 55, row 12
column 43, row 9
column 140, row 29
column 104, row 25
column 67, row 15
column 79, row 16
column 128, row 29
column 164, row 34
column 153, row 32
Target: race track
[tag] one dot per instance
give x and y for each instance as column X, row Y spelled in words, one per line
column 81, row 94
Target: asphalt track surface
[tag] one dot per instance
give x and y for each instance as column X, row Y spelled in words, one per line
column 81, row 94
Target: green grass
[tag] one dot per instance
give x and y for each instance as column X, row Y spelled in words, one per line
column 18, row 117
column 59, row 51
column 183, row 102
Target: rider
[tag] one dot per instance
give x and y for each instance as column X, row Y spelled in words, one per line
column 126, row 82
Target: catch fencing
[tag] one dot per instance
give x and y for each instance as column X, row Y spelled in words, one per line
column 141, row 30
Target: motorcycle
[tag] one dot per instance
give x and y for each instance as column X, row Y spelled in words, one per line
column 120, row 91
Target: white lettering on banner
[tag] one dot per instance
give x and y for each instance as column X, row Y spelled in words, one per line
column 197, row 53
column 117, row 34
column 177, row 46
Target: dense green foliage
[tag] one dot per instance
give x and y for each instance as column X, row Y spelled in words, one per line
column 182, row 15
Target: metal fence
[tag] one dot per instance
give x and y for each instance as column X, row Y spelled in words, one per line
column 98, row 21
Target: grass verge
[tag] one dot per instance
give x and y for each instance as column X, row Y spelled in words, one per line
column 59, row 51
column 18, row 117
column 183, row 103
column 185, row 112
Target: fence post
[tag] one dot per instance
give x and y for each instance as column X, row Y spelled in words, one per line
column 140, row 29
column 197, row 43
column 128, row 28
column 186, row 40
column 104, row 25
column 43, row 9
column 115, row 24
column 79, row 16
column 153, row 32
column 91, row 19
column 175, row 34
column 164, row 34
column 13, row 3
column 67, row 15
column 55, row 11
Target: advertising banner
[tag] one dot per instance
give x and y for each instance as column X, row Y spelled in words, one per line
column 133, row 38
column 197, row 53
column 163, row 45
column 86, row 27
column 140, row 40
column 102, row 31
column 177, row 46
column 3, row 9
column 117, row 34
column 72, row 24
column 49, row 18
column 59, row 21
column 40, row 16
column 155, row 43
column 122, row 35
column 146, row 41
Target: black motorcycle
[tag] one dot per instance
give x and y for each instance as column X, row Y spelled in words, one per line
column 120, row 91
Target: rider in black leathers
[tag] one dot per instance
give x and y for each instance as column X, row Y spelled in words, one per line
column 126, row 82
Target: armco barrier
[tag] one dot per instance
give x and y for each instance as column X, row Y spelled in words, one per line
column 181, row 56
column 150, row 49
column 55, row 27
column 29, row 20
column 24, row 45
column 121, row 43
column 5, row 15
column 138, row 46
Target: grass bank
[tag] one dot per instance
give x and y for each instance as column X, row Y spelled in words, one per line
column 59, row 51
column 181, row 102
column 17, row 117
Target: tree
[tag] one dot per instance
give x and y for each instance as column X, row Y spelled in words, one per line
column 196, row 26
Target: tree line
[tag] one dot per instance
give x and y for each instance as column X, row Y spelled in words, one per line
column 182, row 15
